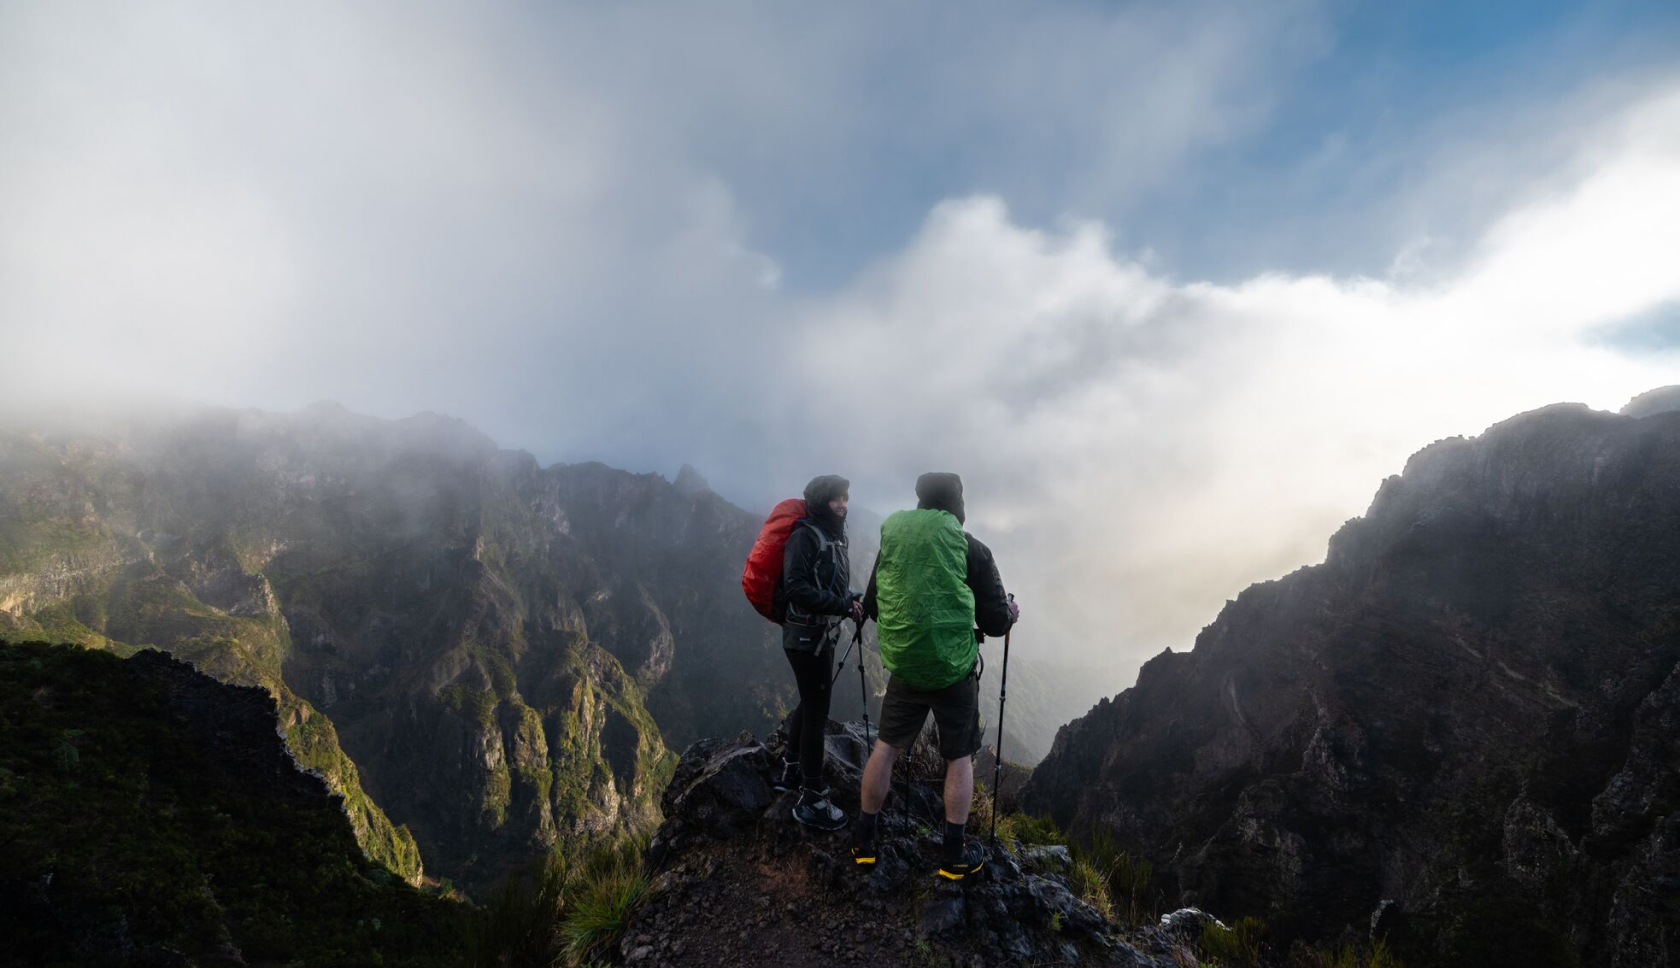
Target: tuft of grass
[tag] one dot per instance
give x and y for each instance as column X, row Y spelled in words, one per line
column 1237, row 946
column 608, row 888
column 1115, row 881
column 564, row 910
column 517, row 925
column 1119, row 885
column 1092, row 886
column 1347, row 956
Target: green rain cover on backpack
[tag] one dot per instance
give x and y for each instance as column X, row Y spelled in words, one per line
column 926, row 609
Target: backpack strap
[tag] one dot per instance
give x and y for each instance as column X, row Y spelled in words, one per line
column 828, row 547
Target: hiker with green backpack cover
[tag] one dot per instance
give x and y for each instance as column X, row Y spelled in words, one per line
column 934, row 593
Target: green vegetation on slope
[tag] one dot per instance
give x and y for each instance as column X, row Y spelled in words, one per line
column 565, row 910
column 149, row 809
column 151, row 608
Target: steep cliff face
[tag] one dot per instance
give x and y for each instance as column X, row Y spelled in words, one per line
column 1458, row 730
column 154, row 817
column 81, row 562
column 482, row 636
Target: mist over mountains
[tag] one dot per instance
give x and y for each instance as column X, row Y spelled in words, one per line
column 496, row 655
column 1457, row 733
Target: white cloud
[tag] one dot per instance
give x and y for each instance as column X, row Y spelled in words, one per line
column 1139, row 450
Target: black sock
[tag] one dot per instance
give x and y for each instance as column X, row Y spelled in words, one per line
column 954, row 839
column 864, row 831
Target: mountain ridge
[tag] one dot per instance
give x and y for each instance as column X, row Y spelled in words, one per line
column 1340, row 736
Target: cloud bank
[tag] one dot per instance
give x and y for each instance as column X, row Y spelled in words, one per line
column 1139, row 450
column 777, row 242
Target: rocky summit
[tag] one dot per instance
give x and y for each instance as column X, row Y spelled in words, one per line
column 739, row 882
column 1460, row 732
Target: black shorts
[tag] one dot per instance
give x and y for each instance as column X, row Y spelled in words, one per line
column 956, row 711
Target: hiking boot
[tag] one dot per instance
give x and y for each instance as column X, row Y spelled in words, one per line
column 863, row 850
column 788, row 780
column 973, row 858
column 814, row 810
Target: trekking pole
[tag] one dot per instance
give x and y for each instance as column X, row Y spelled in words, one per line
column 863, row 689
column 841, row 665
column 997, row 752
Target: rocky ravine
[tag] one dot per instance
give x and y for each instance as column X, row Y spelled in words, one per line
column 1461, row 730
column 491, row 642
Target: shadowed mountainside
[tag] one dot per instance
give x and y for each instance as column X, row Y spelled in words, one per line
column 1462, row 729
column 154, row 817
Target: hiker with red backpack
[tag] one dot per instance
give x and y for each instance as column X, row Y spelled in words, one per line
column 934, row 594
column 809, row 595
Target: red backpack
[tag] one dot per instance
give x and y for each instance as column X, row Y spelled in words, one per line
column 764, row 563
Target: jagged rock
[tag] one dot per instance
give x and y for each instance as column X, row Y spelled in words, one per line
column 728, row 850
column 941, row 912
column 1462, row 730
column 1048, row 857
column 690, row 481
column 1187, row 923
column 723, row 791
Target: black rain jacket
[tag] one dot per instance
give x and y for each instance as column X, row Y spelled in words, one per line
column 815, row 592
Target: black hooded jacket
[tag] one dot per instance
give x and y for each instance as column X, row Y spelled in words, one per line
column 815, row 591
column 943, row 492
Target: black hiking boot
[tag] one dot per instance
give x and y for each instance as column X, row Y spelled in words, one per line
column 814, row 810
column 863, row 844
column 973, row 858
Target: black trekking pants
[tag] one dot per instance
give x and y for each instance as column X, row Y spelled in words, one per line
column 814, row 672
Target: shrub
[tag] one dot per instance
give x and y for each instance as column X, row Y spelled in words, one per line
column 563, row 910
column 1237, row 946
column 1347, row 956
column 517, row 925
column 1127, row 881
column 1091, row 886
column 605, row 890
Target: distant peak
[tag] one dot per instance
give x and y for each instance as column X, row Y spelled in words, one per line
column 1660, row 400
column 325, row 408
column 690, row 481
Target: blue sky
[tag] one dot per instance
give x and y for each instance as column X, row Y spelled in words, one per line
column 1174, row 285
column 1354, row 101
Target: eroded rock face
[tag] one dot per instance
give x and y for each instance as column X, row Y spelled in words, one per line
column 737, row 881
column 1458, row 730
column 500, row 647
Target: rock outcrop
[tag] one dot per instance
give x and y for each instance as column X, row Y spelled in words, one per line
column 1459, row 731
column 1660, row 400
column 739, row 882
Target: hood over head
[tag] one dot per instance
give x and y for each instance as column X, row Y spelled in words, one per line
column 818, row 493
column 941, row 491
